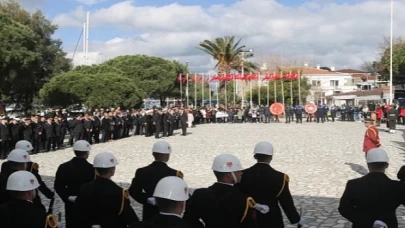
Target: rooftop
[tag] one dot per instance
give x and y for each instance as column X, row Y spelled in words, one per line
column 351, row 71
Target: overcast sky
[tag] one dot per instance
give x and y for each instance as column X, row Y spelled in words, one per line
column 330, row 33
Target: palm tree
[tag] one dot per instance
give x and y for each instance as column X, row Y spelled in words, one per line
column 225, row 50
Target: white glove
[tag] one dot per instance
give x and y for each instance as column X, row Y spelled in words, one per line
column 302, row 221
column 264, row 209
column 379, row 224
column 72, row 198
column 152, row 201
column 56, row 196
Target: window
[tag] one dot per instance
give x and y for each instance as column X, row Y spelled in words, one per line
column 334, row 83
column 316, row 83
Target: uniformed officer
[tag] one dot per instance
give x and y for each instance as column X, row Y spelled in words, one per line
column 392, row 118
column 171, row 194
column 371, row 200
column 102, row 202
column 146, row 178
column 223, row 205
column 288, row 114
column 70, row 176
column 20, row 211
column 17, row 161
column 269, row 187
column 298, row 113
column 33, row 168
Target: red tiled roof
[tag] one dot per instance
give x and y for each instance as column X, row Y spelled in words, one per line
column 364, row 76
column 362, row 93
column 351, row 71
column 314, row 71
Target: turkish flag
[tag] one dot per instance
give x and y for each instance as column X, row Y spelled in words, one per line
column 185, row 79
column 179, row 78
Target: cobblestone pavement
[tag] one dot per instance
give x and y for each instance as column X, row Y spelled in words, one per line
column 319, row 158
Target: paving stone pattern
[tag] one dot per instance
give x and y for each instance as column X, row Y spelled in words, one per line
column 319, row 158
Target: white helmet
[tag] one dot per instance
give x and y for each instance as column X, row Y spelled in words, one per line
column 24, row 145
column 19, row 156
column 171, row 188
column 264, row 147
column 226, row 163
column 22, row 181
column 82, row 145
column 105, row 160
column 376, row 155
column 161, row 147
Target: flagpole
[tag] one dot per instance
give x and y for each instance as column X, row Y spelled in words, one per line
column 299, row 87
column 195, row 90
column 210, row 89
column 258, row 83
column 291, row 90
column 181, row 89
column 268, row 85
column 282, row 87
column 251, row 101
column 234, row 90
column 187, row 91
column 392, row 22
column 202, row 90
column 218, row 85
column 275, row 88
column 226, row 92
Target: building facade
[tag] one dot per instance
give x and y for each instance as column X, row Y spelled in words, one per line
column 326, row 83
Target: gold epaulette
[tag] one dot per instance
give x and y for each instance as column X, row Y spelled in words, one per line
column 125, row 196
column 285, row 179
column 179, row 174
column 250, row 203
column 34, row 166
column 51, row 221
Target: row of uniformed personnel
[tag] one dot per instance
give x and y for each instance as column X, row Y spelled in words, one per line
column 252, row 201
column 92, row 199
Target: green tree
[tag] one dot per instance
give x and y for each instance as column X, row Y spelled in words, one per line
column 382, row 66
column 23, row 84
column 93, row 90
column 155, row 77
column 228, row 54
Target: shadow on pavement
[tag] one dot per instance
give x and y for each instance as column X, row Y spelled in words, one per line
column 357, row 168
column 317, row 211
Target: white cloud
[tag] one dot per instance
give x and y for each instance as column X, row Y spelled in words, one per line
column 90, row 2
column 29, row 4
column 340, row 35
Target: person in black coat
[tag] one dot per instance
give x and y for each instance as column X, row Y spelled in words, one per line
column 49, row 128
column 170, row 195
column 77, row 128
column 4, row 138
column 157, row 120
column 171, row 119
column 21, row 211
column 146, row 178
column 374, row 198
column 183, row 120
column 165, row 117
column 102, row 202
column 70, row 176
column 96, row 127
column 269, row 187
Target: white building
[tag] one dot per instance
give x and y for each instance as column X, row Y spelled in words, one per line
column 326, row 83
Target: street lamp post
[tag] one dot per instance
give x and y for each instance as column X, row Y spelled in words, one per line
column 392, row 21
column 187, row 85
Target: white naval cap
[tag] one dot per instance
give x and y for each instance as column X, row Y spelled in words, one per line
column 377, row 155
column 264, row 147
